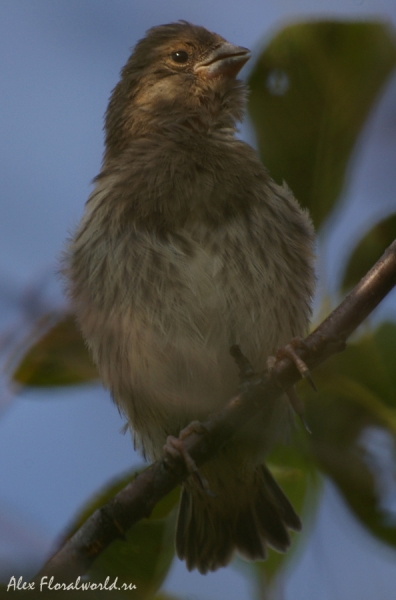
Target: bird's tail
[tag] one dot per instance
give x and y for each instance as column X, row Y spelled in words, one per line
column 208, row 534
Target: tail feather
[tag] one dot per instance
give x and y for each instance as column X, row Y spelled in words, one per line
column 208, row 534
column 193, row 544
column 247, row 539
column 272, row 527
column 285, row 509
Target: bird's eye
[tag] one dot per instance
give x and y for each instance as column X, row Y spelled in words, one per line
column 180, row 56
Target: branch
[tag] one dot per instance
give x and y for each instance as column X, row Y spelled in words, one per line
column 139, row 497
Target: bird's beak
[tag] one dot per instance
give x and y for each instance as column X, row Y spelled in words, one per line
column 226, row 60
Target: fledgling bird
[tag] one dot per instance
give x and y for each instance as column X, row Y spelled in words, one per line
column 186, row 248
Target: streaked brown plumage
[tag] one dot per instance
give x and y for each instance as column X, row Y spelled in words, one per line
column 186, row 248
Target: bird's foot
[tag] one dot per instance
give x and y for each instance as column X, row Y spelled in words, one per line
column 289, row 351
column 175, row 447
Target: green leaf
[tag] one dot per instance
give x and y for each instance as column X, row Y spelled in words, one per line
column 338, row 449
column 369, row 250
column 357, row 392
column 366, row 373
column 60, row 357
column 144, row 557
column 311, row 91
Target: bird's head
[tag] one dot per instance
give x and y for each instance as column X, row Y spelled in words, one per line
column 179, row 75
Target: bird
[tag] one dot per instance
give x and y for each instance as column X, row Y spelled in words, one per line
column 188, row 248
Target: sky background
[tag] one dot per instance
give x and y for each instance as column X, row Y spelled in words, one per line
column 60, row 60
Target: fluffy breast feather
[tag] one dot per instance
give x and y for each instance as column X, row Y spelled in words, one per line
column 161, row 306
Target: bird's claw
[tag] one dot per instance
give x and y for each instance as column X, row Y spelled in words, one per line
column 175, row 447
column 289, row 351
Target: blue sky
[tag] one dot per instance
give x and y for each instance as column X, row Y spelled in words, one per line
column 60, row 61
